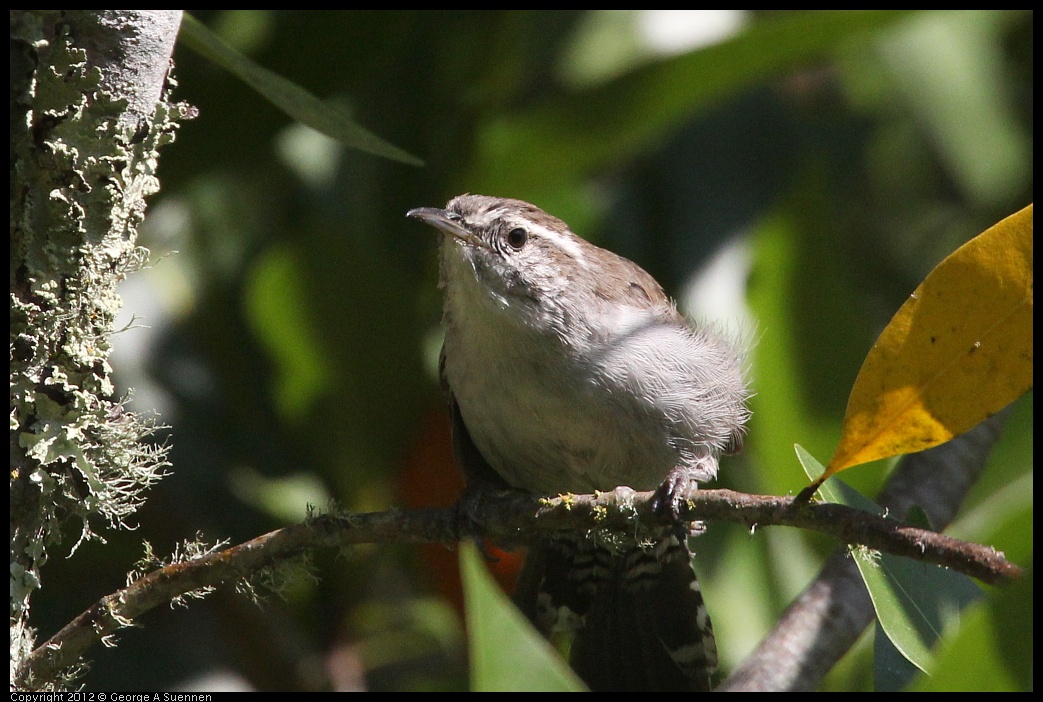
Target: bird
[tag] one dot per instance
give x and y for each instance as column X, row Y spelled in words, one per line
column 568, row 369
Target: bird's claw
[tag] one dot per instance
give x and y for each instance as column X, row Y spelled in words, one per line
column 668, row 498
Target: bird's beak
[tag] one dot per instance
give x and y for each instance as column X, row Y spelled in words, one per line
column 445, row 221
column 439, row 219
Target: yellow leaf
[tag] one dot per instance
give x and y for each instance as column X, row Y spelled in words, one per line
column 958, row 351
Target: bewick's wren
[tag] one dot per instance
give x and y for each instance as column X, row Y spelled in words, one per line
column 570, row 370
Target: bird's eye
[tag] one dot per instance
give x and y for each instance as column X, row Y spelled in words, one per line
column 516, row 238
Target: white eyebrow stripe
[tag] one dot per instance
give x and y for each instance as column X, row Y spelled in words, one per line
column 486, row 219
column 561, row 241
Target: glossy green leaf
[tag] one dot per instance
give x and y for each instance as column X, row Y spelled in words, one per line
column 914, row 601
column 331, row 119
column 507, row 653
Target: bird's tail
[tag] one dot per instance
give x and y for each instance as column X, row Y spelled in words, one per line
column 635, row 615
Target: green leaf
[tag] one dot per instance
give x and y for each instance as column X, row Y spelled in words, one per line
column 587, row 128
column 891, row 670
column 950, row 69
column 277, row 306
column 992, row 651
column 914, row 601
column 507, row 653
column 331, row 119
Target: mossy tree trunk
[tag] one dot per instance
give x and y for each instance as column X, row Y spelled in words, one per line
column 88, row 111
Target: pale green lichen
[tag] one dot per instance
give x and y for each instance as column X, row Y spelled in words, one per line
column 280, row 578
column 865, row 554
column 185, row 552
column 79, row 182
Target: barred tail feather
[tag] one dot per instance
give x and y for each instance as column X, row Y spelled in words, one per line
column 637, row 619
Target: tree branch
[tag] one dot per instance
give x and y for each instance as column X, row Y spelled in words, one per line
column 509, row 517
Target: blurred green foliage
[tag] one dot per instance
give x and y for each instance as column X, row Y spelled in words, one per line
column 294, row 334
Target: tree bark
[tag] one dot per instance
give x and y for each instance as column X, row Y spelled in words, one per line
column 87, row 113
